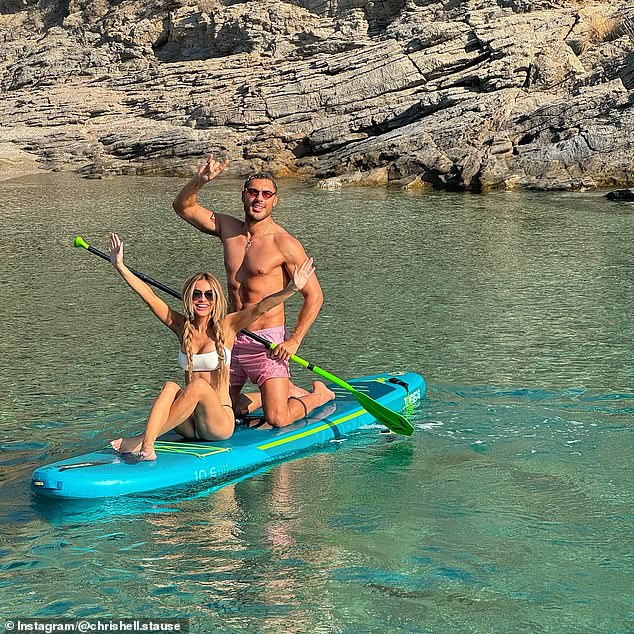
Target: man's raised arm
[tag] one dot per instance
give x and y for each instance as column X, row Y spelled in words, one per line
column 186, row 202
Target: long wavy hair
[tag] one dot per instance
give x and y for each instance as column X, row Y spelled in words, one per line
column 218, row 311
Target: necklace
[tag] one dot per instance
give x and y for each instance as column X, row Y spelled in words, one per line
column 251, row 238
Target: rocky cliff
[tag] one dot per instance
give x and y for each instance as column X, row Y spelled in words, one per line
column 459, row 94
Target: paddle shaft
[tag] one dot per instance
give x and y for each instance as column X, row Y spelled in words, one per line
column 265, row 342
column 170, row 291
column 146, row 278
column 305, row 364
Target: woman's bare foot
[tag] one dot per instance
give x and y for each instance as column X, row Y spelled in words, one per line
column 128, row 445
column 134, row 446
column 147, row 453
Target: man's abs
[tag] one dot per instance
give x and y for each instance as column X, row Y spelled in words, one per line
column 271, row 319
column 254, row 274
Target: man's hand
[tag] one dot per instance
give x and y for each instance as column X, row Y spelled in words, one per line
column 211, row 168
column 285, row 349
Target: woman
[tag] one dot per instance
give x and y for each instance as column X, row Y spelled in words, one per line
column 202, row 410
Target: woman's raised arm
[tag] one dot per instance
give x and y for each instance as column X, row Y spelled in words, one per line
column 171, row 318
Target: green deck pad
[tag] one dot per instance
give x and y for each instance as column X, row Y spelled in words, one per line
column 193, row 449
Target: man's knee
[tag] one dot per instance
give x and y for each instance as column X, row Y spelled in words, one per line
column 275, row 402
column 278, row 417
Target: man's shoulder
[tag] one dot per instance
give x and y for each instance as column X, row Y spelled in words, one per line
column 288, row 244
column 281, row 233
column 229, row 226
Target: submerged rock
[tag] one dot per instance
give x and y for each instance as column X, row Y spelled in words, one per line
column 462, row 95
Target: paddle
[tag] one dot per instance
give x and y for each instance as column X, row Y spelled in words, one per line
column 80, row 242
column 392, row 420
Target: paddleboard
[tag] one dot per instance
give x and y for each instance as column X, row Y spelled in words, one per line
column 106, row 473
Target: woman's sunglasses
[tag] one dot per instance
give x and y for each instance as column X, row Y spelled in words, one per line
column 266, row 194
column 209, row 295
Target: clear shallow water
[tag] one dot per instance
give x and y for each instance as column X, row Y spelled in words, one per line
column 509, row 510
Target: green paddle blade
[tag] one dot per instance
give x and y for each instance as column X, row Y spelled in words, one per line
column 392, row 420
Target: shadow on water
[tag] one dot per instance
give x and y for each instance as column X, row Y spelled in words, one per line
column 60, row 512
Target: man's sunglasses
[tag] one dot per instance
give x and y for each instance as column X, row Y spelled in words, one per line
column 209, row 295
column 266, row 194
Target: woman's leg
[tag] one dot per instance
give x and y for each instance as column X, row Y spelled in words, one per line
column 244, row 404
column 158, row 416
column 175, row 407
column 213, row 421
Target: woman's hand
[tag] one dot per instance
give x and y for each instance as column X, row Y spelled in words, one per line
column 301, row 274
column 115, row 244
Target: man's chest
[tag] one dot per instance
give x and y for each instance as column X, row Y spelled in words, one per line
column 245, row 261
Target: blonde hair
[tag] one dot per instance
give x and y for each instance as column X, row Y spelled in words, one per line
column 218, row 311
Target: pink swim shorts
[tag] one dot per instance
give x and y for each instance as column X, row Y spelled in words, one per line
column 251, row 360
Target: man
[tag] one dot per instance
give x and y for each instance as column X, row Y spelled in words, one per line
column 259, row 258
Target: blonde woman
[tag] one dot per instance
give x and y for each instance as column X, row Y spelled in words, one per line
column 202, row 409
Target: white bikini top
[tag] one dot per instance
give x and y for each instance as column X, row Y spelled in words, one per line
column 204, row 362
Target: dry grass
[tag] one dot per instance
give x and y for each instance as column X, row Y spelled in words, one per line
column 627, row 25
column 593, row 29
column 602, row 28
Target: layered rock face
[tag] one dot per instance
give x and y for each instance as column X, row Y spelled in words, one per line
column 459, row 94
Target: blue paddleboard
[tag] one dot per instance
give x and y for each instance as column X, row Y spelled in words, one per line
column 105, row 473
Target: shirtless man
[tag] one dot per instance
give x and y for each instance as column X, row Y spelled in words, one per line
column 260, row 257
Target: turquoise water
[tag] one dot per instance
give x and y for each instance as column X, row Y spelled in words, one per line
column 510, row 509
